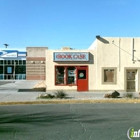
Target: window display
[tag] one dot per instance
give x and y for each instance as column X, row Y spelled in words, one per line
column 65, row 75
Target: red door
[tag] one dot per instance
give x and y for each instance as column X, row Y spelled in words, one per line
column 82, row 79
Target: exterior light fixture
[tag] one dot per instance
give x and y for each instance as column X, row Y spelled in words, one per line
column 97, row 36
column 32, row 62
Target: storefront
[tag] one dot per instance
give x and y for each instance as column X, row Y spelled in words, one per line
column 117, row 63
column 12, row 65
column 109, row 64
column 69, row 69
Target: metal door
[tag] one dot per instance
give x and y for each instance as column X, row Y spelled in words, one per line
column 82, row 79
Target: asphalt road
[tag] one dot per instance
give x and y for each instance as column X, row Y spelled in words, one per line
column 68, row 121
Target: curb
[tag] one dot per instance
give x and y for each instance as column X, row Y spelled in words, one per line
column 78, row 101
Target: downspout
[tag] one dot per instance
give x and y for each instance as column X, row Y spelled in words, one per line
column 133, row 50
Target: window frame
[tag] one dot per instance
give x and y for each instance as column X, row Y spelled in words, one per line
column 115, row 75
column 66, row 72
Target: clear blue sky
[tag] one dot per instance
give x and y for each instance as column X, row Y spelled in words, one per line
column 74, row 23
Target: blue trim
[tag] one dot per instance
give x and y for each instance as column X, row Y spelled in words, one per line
column 12, row 54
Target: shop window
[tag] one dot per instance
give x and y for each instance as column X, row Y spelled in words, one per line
column 5, row 62
column 9, row 70
column 20, row 69
column 81, row 74
column 9, row 62
column 1, row 62
column 13, row 62
column 20, row 62
column 71, row 76
column 24, row 62
column 1, row 69
column 59, row 72
column 16, row 62
column 65, row 75
column 109, row 75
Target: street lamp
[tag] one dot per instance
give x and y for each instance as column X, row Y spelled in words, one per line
column 5, row 45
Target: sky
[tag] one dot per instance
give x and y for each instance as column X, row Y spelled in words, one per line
column 73, row 23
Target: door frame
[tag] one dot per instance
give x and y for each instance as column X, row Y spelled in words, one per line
column 136, row 79
column 85, row 80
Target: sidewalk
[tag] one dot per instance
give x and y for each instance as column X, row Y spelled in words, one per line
column 10, row 94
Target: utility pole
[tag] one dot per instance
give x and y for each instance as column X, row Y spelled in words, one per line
column 3, row 61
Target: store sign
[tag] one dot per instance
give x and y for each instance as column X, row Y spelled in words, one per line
column 22, row 54
column 8, row 53
column 71, row 56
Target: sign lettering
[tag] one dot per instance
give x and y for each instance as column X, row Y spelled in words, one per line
column 71, row 56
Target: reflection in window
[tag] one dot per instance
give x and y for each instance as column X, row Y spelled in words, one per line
column 20, row 62
column 60, row 75
column 5, row 62
column 1, row 69
column 71, row 79
column 9, row 70
column 65, row 75
column 1, row 62
column 16, row 62
column 13, row 62
column 131, row 75
column 9, row 62
column 24, row 61
column 20, row 70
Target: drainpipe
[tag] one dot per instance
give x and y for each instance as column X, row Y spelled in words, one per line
column 133, row 50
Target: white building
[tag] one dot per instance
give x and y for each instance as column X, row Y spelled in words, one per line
column 109, row 64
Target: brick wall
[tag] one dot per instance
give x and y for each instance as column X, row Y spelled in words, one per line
column 35, row 68
column 35, row 63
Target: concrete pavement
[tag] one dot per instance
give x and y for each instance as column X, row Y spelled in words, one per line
column 11, row 93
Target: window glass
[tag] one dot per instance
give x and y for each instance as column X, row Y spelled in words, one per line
column 1, row 76
column 65, row 75
column 131, row 75
column 4, row 61
column 13, row 62
column 59, row 71
column 71, row 76
column 109, row 75
column 1, row 69
column 9, row 62
column 1, row 62
column 20, row 62
column 20, row 69
column 9, row 70
column 24, row 61
column 81, row 74
column 16, row 62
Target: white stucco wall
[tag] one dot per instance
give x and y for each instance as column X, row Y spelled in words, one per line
column 50, row 69
column 107, row 52
column 117, row 52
